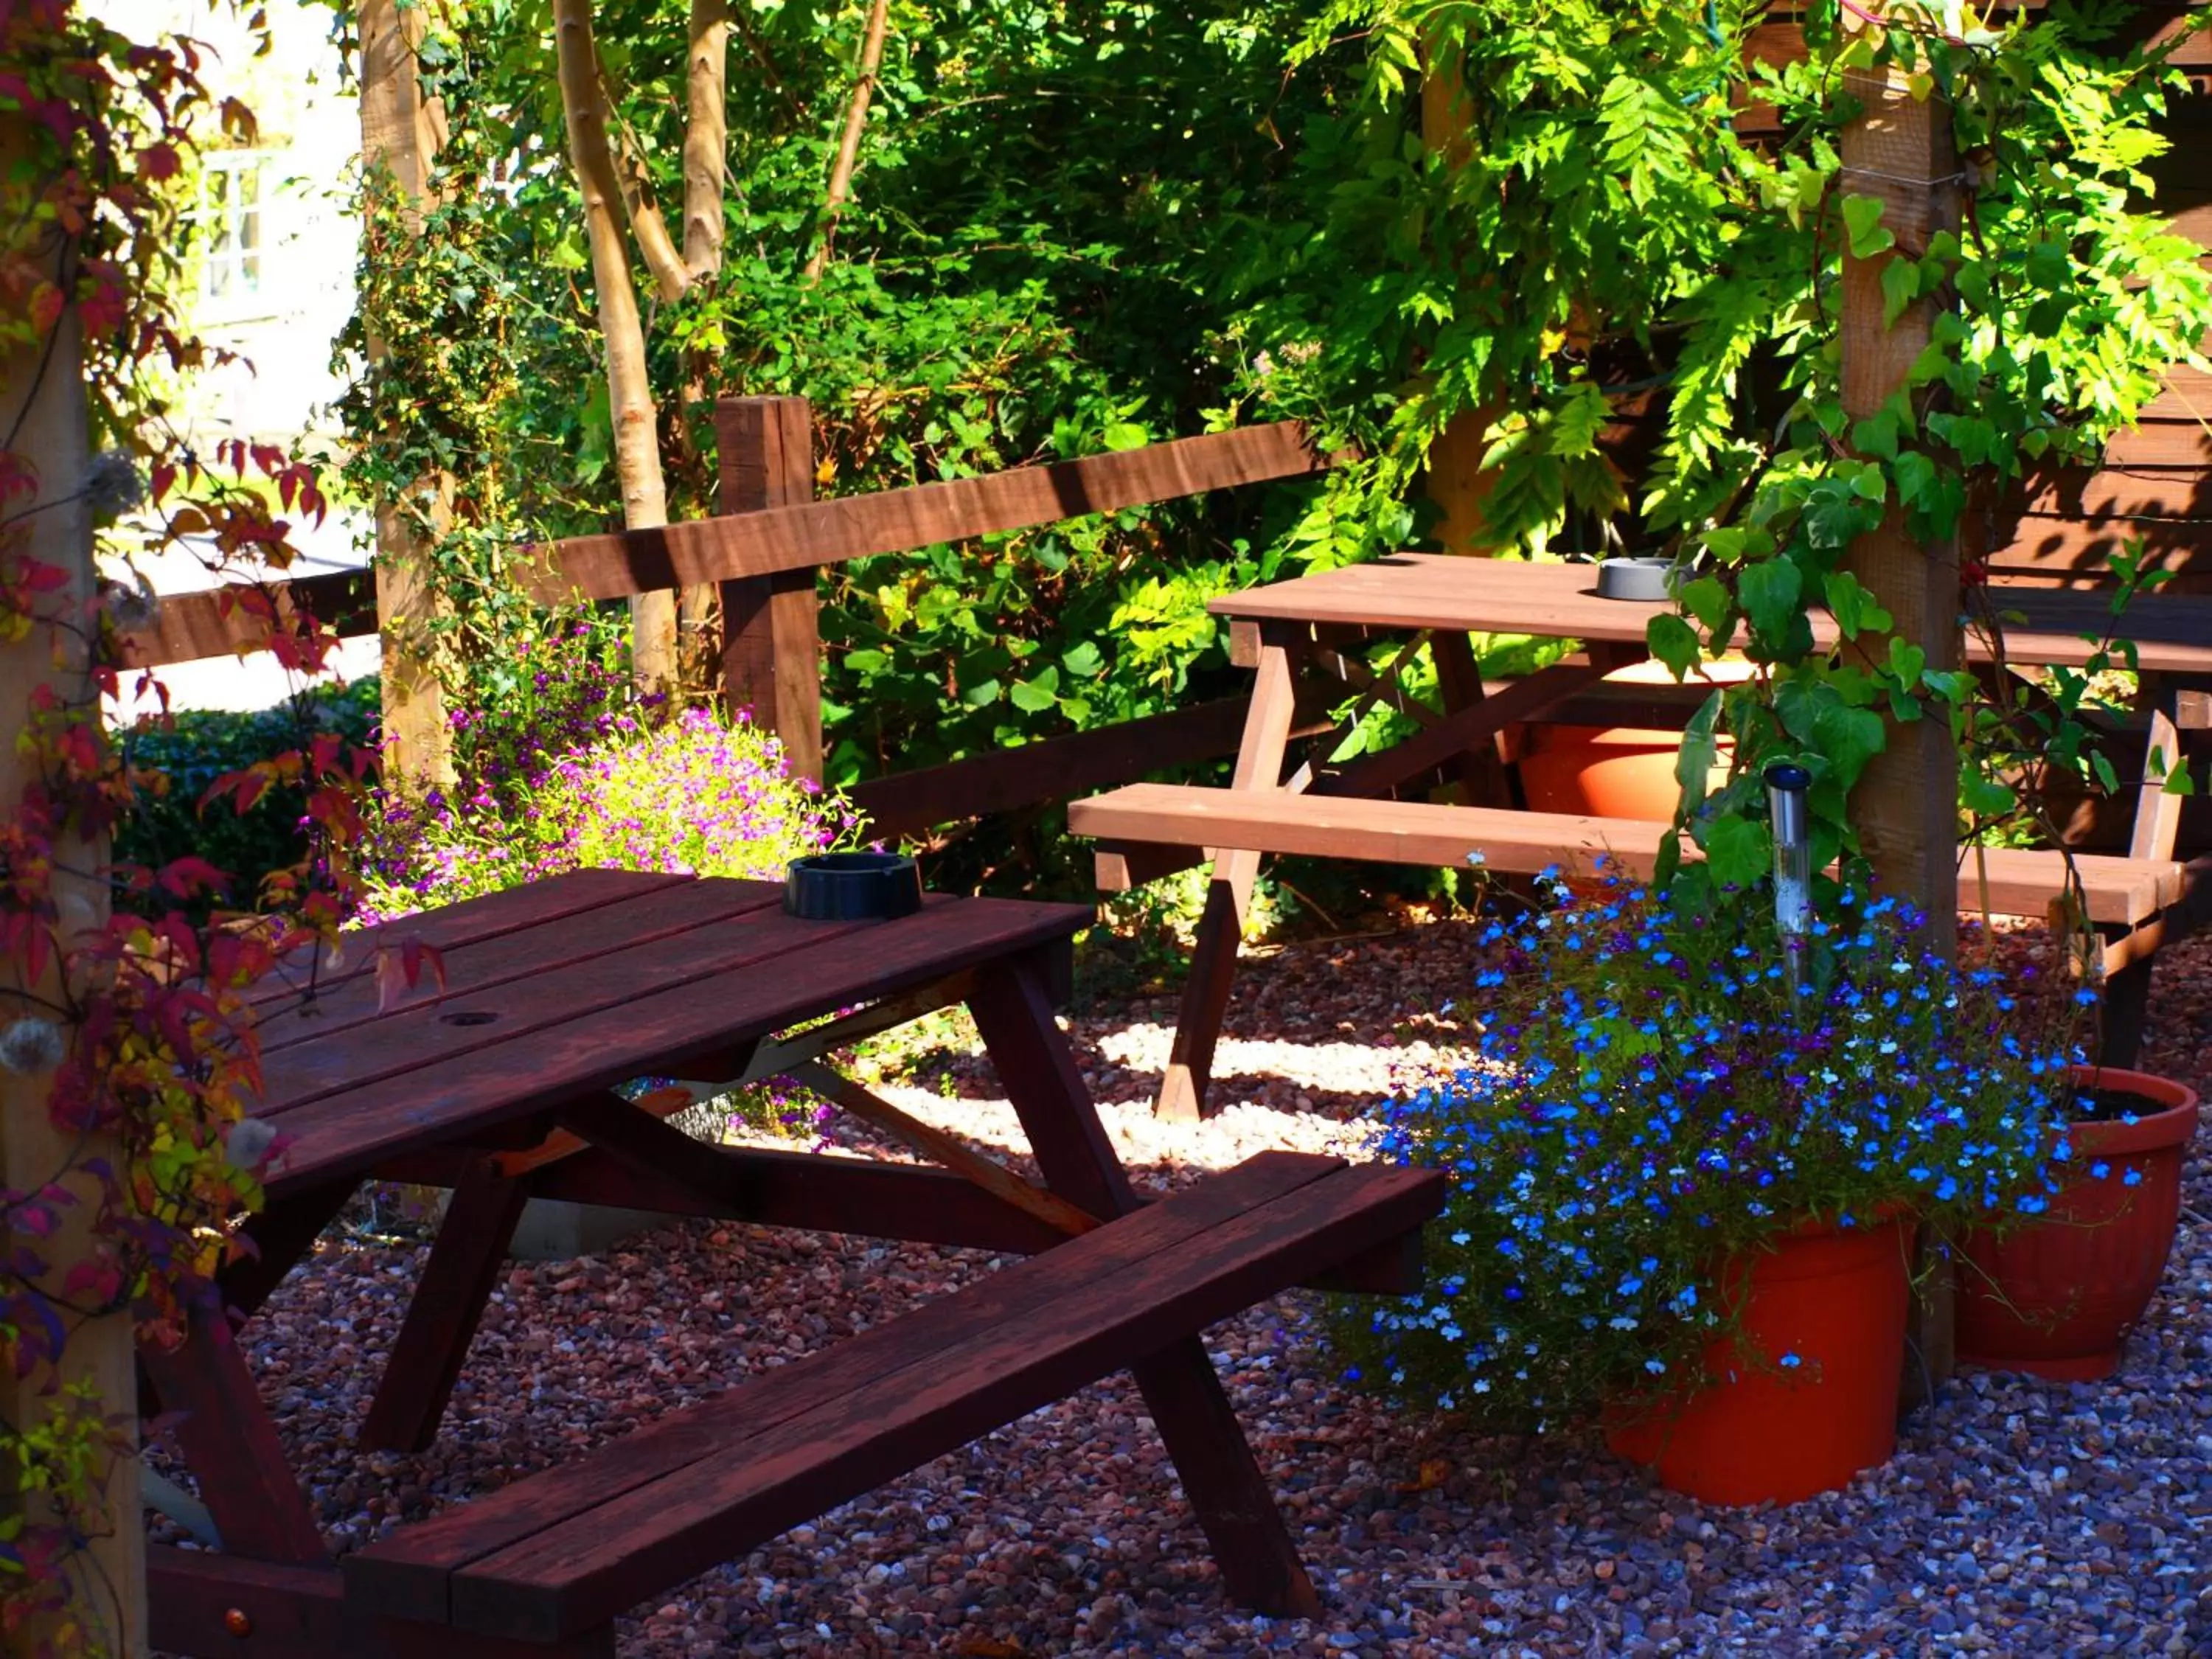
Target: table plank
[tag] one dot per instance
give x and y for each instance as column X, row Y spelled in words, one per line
column 604, row 1039
column 2173, row 632
column 473, row 967
column 453, row 925
column 737, row 932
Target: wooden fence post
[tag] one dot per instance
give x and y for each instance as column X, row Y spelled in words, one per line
column 42, row 403
column 399, row 134
column 771, row 659
column 1906, row 806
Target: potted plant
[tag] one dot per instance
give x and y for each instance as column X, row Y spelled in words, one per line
column 2056, row 1295
column 1683, row 1193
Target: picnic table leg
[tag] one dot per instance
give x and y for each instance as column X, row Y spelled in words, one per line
column 282, row 1235
column 231, row 1445
column 1482, row 773
column 2126, row 1008
column 441, row 1320
column 1236, row 1508
column 1229, row 894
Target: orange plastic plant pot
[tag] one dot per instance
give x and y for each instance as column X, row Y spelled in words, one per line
column 2057, row 1297
column 1607, row 772
column 1619, row 771
column 1773, row 1432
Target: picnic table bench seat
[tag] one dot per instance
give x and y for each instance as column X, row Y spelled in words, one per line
column 2136, row 903
column 2022, row 882
column 552, row 1559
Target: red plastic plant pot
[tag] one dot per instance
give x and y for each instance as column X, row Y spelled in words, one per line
column 1810, row 1383
column 2056, row 1297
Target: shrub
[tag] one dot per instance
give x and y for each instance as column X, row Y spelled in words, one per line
column 1651, row 1096
column 697, row 795
column 189, row 751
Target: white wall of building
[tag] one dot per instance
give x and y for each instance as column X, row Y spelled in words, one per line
column 273, row 281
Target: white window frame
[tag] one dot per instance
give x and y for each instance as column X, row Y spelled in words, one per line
column 238, row 190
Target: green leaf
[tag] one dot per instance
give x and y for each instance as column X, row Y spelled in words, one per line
column 1900, row 287
column 1876, row 435
column 1983, row 797
column 1853, row 605
column 1034, row 697
column 1912, row 473
column 1862, row 220
column 1739, row 851
column 1770, row 590
column 1906, row 661
column 1125, row 435
column 1674, row 641
column 980, row 695
column 1694, row 762
column 1708, row 601
column 1669, row 860
column 1083, row 660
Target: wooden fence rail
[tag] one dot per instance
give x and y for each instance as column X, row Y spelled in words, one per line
column 764, row 550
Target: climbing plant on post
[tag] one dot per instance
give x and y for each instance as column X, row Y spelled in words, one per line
column 400, row 133
column 74, row 1396
column 1900, row 185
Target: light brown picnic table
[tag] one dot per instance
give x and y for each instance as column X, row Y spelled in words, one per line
column 1305, row 641
column 2172, row 632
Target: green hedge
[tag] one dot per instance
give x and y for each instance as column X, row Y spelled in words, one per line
column 198, row 747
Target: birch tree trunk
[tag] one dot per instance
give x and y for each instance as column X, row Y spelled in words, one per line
column 706, row 137
column 848, row 145
column 706, row 171
column 629, row 392
column 46, row 409
column 400, row 134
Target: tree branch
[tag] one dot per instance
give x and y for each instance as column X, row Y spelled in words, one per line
column 849, row 146
column 630, row 391
column 635, row 184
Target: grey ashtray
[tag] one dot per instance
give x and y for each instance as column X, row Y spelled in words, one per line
column 852, row 887
column 1633, row 578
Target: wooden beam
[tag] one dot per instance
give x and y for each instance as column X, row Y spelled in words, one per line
column 219, row 621
column 771, row 655
column 400, row 135
column 1900, row 152
column 895, row 520
column 1054, row 769
column 44, row 426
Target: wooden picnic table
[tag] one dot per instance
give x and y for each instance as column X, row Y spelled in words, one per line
column 505, row 1082
column 1304, row 639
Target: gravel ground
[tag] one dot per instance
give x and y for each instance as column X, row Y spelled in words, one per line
column 2018, row 1517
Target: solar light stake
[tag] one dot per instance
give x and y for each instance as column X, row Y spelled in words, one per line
column 1793, row 864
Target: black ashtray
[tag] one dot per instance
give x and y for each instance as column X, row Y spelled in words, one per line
column 852, row 887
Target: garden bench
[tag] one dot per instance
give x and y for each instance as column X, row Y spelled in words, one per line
column 500, row 1082
column 1293, row 632
column 554, row 1557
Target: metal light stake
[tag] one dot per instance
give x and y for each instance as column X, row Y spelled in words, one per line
column 1793, row 864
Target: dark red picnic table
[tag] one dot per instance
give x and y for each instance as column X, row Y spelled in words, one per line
column 505, row 1082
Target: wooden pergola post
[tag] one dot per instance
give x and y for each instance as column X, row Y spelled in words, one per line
column 399, row 135
column 1906, row 807
column 1900, row 151
column 43, row 407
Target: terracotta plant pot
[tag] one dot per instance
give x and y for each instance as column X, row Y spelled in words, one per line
column 1833, row 1298
column 1617, row 771
column 2057, row 1297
